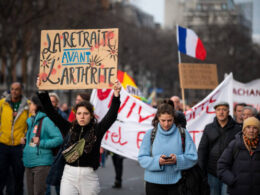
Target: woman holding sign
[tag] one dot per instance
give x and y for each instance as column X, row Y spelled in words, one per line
column 84, row 134
column 161, row 153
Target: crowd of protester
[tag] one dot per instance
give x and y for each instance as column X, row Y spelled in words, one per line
column 34, row 133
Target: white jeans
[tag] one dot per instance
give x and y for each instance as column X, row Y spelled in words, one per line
column 79, row 180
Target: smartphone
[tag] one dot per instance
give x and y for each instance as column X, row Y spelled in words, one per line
column 167, row 157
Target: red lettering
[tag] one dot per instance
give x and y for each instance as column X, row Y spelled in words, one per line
column 193, row 133
column 194, row 112
column 234, row 91
column 188, row 115
column 107, row 134
column 103, row 95
column 118, row 135
column 138, row 139
column 123, row 105
column 131, row 110
column 246, row 92
column 252, row 92
column 212, row 100
column 141, row 119
column 208, row 112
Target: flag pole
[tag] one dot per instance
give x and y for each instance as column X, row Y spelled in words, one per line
column 179, row 60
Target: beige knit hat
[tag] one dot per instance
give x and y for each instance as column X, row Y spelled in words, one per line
column 251, row 121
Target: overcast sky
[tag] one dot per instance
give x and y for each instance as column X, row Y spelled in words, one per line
column 153, row 7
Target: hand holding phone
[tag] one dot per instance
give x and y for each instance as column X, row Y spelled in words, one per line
column 167, row 157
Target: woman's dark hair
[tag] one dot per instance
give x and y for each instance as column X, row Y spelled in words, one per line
column 90, row 108
column 166, row 107
column 37, row 102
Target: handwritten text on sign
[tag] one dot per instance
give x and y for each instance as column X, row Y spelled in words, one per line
column 78, row 58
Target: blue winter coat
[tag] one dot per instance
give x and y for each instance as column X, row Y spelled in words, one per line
column 50, row 137
column 239, row 170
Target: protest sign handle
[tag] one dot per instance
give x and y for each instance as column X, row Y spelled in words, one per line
column 183, row 98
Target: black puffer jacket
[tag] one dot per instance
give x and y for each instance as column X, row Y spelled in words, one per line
column 239, row 170
column 213, row 142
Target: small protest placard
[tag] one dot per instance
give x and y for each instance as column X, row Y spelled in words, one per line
column 198, row 76
column 78, row 59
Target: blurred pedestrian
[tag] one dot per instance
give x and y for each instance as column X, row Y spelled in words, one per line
column 238, row 111
column 103, row 156
column 238, row 166
column 161, row 153
column 177, row 103
column 55, row 103
column 118, row 166
column 42, row 135
column 248, row 111
column 65, row 108
column 79, row 177
column 14, row 111
column 216, row 136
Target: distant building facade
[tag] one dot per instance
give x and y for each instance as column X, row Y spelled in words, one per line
column 198, row 13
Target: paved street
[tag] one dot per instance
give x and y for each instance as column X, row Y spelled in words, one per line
column 133, row 182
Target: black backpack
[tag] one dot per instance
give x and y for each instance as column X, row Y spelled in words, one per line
column 193, row 181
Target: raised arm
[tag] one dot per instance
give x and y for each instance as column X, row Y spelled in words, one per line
column 111, row 115
column 56, row 118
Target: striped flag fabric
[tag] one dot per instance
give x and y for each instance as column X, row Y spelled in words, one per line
column 190, row 44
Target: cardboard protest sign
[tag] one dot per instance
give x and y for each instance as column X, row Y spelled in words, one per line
column 78, row 59
column 198, row 76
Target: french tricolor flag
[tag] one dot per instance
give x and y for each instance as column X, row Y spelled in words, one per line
column 190, row 44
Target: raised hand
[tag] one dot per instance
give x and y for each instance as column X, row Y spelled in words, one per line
column 117, row 88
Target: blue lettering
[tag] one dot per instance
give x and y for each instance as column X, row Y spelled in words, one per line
column 70, row 56
column 88, row 54
column 75, row 57
column 64, row 57
column 82, row 57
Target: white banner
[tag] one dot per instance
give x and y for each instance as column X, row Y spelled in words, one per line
column 135, row 117
column 248, row 93
column 203, row 113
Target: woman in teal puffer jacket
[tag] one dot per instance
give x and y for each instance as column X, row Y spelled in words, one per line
column 37, row 154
